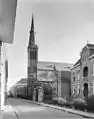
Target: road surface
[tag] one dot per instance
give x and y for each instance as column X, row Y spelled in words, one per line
column 28, row 110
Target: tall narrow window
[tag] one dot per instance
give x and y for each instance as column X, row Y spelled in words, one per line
column 93, row 88
column 93, row 70
column 85, row 71
column 73, row 90
column 78, row 89
column 33, row 55
column 74, row 76
column 78, row 75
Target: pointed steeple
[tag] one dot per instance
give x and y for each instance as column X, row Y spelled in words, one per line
column 32, row 38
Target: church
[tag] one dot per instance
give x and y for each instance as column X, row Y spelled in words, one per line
column 39, row 72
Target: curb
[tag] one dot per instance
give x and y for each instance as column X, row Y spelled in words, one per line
column 81, row 113
column 13, row 109
column 8, row 107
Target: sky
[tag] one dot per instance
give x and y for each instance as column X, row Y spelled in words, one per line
column 62, row 29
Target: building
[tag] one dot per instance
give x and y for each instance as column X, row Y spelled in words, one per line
column 40, row 72
column 3, row 73
column 62, row 83
column 32, row 63
column 58, row 75
column 20, row 88
column 82, row 74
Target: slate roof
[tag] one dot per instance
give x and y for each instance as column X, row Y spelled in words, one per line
column 90, row 45
column 78, row 62
column 49, row 65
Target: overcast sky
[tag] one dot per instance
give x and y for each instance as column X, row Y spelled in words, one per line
column 62, row 29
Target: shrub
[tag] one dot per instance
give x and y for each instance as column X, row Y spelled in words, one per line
column 47, row 89
column 47, row 97
column 90, row 103
column 69, row 104
column 79, row 104
column 54, row 102
column 62, row 101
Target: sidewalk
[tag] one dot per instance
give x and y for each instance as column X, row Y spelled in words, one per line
column 82, row 113
column 8, row 112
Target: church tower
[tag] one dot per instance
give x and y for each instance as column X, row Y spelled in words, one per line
column 32, row 61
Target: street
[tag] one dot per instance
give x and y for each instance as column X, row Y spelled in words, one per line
column 28, row 110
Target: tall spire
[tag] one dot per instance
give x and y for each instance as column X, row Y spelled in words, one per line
column 32, row 38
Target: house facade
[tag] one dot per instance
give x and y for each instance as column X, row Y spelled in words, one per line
column 82, row 74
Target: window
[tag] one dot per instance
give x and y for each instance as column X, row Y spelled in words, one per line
column 33, row 55
column 78, row 89
column 74, row 76
column 93, row 88
column 78, row 74
column 93, row 70
column 74, row 90
column 91, row 51
column 85, row 71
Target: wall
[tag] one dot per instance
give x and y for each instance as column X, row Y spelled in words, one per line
column 66, row 84
column 92, row 76
column 87, row 60
column 3, row 73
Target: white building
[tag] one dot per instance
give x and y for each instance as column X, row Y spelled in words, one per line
column 4, row 73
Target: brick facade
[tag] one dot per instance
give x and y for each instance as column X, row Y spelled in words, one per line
column 82, row 74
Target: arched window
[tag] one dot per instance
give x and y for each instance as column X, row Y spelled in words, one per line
column 85, row 91
column 85, row 71
column 74, row 77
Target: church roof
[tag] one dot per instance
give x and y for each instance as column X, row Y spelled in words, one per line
column 49, row 65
